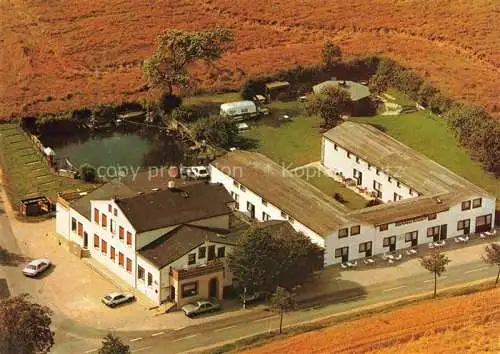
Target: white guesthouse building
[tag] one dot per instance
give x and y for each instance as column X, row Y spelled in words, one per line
column 424, row 201
column 168, row 243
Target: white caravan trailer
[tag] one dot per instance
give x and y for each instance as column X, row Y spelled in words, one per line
column 239, row 110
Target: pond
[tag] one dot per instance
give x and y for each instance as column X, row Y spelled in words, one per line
column 137, row 148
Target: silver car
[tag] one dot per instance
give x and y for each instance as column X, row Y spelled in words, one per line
column 36, row 267
column 117, row 298
column 199, row 307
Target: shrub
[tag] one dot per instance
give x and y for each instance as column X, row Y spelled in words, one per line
column 252, row 87
column 373, row 202
column 88, row 173
column 217, row 130
column 339, row 198
column 169, row 102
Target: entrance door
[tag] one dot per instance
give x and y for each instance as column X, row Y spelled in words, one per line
column 358, row 176
column 172, row 293
column 212, row 288
column 251, row 210
column 390, row 242
column 444, row 231
column 483, row 223
column 85, row 239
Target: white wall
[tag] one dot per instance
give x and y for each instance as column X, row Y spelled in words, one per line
column 337, row 161
column 153, row 291
column 63, row 221
column 372, row 233
column 274, row 212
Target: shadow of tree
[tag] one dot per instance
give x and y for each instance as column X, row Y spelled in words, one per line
column 8, row 258
column 246, row 143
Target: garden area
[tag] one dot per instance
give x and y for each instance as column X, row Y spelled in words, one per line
column 26, row 171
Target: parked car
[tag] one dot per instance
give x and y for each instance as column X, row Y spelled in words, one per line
column 117, row 298
column 36, row 267
column 199, row 307
column 196, row 172
column 256, row 296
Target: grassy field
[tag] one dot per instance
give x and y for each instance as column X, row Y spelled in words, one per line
column 25, row 171
column 293, row 143
column 329, row 186
column 429, row 135
column 462, row 324
column 400, row 98
column 45, row 69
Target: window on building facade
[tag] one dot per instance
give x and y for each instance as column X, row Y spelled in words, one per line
column 410, row 191
column 189, row 289
column 378, row 171
column 466, row 205
column 348, row 155
column 80, row 229
column 112, row 226
column 291, row 220
column 150, row 279
column 236, row 184
column 73, row 224
column 243, row 188
column 211, row 252
column 112, row 253
column 463, row 224
column 432, row 216
column 265, row 216
column 129, row 238
column 104, row 247
column 104, row 220
column 283, row 215
column 129, row 265
column 110, row 208
column 411, row 236
column 389, row 241
column 264, row 202
column 355, row 230
column 483, row 220
column 121, row 233
column 339, row 252
column 221, row 252
column 357, row 159
column 397, row 197
column 369, row 167
column 398, row 184
column 343, row 232
column 389, row 178
column 236, row 199
column 115, row 212
column 202, row 252
column 140, row 273
column 335, row 147
column 191, row 258
column 96, row 241
column 383, row 227
column 365, row 246
column 433, row 231
column 120, row 259
column 476, row 203
column 96, row 216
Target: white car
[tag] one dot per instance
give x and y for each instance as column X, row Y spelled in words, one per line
column 199, row 307
column 38, row 266
column 116, row 298
column 197, row 172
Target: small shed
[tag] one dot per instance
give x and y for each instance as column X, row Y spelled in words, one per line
column 275, row 88
column 35, row 206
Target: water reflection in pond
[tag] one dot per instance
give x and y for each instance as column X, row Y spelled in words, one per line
column 138, row 148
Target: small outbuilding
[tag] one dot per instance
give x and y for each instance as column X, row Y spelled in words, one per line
column 273, row 89
column 35, row 206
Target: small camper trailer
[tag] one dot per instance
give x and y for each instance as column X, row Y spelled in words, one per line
column 239, row 110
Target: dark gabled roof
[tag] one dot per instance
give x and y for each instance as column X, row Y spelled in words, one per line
column 175, row 206
column 180, row 241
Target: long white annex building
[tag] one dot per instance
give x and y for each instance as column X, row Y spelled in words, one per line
column 424, row 201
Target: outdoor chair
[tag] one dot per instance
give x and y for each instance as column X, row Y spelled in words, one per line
column 398, row 257
column 491, row 233
column 343, row 265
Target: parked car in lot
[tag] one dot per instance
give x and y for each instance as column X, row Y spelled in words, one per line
column 199, row 307
column 36, row 267
column 196, row 172
column 117, row 298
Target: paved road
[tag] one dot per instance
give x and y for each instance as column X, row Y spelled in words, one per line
column 199, row 336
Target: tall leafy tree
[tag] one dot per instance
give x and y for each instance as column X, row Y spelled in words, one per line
column 282, row 301
column 435, row 263
column 264, row 260
column 331, row 54
column 176, row 50
column 217, row 130
column 113, row 345
column 492, row 256
column 330, row 104
column 25, row 326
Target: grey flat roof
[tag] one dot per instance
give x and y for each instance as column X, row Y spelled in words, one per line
column 398, row 160
column 357, row 90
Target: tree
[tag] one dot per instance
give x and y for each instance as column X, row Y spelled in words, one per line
column 169, row 102
column 25, row 326
column 492, row 256
column 176, row 49
column 113, row 345
column 435, row 263
column 264, row 260
column 331, row 54
column 88, row 173
column 330, row 104
column 217, row 130
column 282, row 301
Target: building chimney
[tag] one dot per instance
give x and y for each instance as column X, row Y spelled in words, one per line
column 171, row 184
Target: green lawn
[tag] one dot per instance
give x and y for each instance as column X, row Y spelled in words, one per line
column 400, row 98
column 292, row 143
column 26, row 172
column 329, row 186
column 430, row 135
